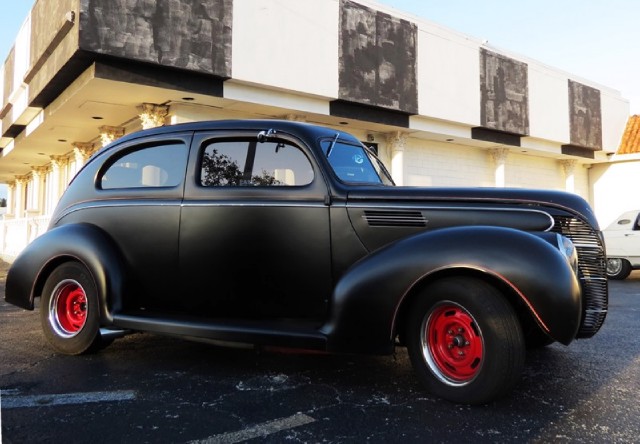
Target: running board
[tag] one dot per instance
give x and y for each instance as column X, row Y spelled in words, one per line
column 278, row 333
column 109, row 334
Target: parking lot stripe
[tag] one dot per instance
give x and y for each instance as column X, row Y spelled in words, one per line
column 15, row 401
column 259, row 430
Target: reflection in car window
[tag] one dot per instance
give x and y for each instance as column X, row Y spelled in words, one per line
column 353, row 163
column 152, row 166
column 253, row 163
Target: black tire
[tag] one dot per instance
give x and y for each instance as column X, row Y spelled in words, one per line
column 464, row 341
column 617, row 268
column 69, row 310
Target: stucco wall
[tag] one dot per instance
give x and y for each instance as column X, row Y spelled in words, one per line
column 448, row 73
column 287, row 44
column 548, row 104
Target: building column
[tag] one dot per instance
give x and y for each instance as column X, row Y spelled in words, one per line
column 396, row 142
column 110, row 133
column 11, row 198
column 153, row 115
column 569, row 169
column 57, row 179
column 499, row 159
column 81, row 152
column 20, row 196
column 39, row 175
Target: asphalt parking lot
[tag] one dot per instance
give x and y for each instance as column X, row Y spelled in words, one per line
column 146, row 388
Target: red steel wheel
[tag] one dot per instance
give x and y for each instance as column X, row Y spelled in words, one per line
column 70, row 313
column 68, row 308
column 452, row 344
column 464, row 340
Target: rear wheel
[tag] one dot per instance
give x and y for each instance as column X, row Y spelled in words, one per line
column 618, row 268
column 464, row 341
column 69, row 312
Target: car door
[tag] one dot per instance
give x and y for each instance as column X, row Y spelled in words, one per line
column 254, row 230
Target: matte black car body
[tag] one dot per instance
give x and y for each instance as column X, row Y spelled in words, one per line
column 330, row 264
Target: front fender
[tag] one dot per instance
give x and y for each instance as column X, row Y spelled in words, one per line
column 368, row 297
column 85, row 243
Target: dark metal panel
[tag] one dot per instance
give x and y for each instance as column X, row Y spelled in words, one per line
column 377, row 58
column 13, row 130
column 351, row 110
column 578, row 151
column 504, row 104
column 62, row 79
column 187, row 34
column 141, row 73
column 585, row 116
column 489, row 135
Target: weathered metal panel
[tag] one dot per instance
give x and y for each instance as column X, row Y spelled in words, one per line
column 585, row 116
column 188, row 34
column 9, row 66
column 47, row 16
column 50, row 57
column 504, row 90
column 377, row 58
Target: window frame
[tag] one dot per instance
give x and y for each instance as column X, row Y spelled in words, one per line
column 109, row 157
column 252, row 162
column 317, row 190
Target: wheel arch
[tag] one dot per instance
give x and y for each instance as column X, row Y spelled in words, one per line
column 535, row 277
column 525, row 313
column 83, row 243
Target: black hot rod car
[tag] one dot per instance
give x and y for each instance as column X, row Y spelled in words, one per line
column 288, row 234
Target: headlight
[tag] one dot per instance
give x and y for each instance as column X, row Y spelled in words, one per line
column 567, row 248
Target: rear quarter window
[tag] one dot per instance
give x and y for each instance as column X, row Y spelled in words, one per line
column 153, row 166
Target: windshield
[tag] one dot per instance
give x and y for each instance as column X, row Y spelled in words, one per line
column 355, row 163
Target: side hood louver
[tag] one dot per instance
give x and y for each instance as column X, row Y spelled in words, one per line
column 394, row 218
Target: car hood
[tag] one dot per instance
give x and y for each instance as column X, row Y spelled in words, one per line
column 516, row 196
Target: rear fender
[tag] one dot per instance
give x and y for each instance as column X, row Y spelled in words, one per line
column 84, row 243
column 368, row 297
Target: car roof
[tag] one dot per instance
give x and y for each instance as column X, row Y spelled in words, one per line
column 301, row 129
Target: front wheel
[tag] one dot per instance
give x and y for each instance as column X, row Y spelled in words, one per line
column 69, row 312
column 464, row 341
column 617, row 268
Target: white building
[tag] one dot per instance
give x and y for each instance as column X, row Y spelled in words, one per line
column 444, row 109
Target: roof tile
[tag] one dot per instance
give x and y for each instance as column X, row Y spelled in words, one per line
column 630, row 143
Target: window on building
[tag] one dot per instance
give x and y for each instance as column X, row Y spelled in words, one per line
column 152, row 166
column 253, row 163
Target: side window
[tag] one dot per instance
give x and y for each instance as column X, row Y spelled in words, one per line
column 152, row 166
column 251, row 163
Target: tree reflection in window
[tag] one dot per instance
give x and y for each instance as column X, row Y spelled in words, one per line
column 221, row 170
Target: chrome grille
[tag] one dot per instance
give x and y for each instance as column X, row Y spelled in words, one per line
column 394, row 218
column 592, row 265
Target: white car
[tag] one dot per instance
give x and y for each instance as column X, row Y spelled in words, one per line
column 622, row 239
